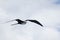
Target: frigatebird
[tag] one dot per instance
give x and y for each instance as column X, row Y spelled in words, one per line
column 24, row 22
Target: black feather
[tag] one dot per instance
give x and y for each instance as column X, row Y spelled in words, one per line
column 35, row 21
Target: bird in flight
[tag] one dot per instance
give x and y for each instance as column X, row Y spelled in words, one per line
column 24, row 22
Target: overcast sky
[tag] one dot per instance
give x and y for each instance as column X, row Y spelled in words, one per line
column 45, row 11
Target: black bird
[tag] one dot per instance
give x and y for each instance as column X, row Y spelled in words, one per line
column 24, row 22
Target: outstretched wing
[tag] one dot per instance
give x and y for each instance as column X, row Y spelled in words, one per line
column 10, row 21
column 14, row 24
column 35, row 21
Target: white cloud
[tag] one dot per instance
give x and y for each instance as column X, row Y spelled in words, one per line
column 50, row 34
column 45, row 11
column 2, row 13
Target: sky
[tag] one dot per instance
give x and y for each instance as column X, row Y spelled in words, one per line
column 46, row 12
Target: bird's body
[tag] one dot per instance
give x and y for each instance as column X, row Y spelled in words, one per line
column 24, row 22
